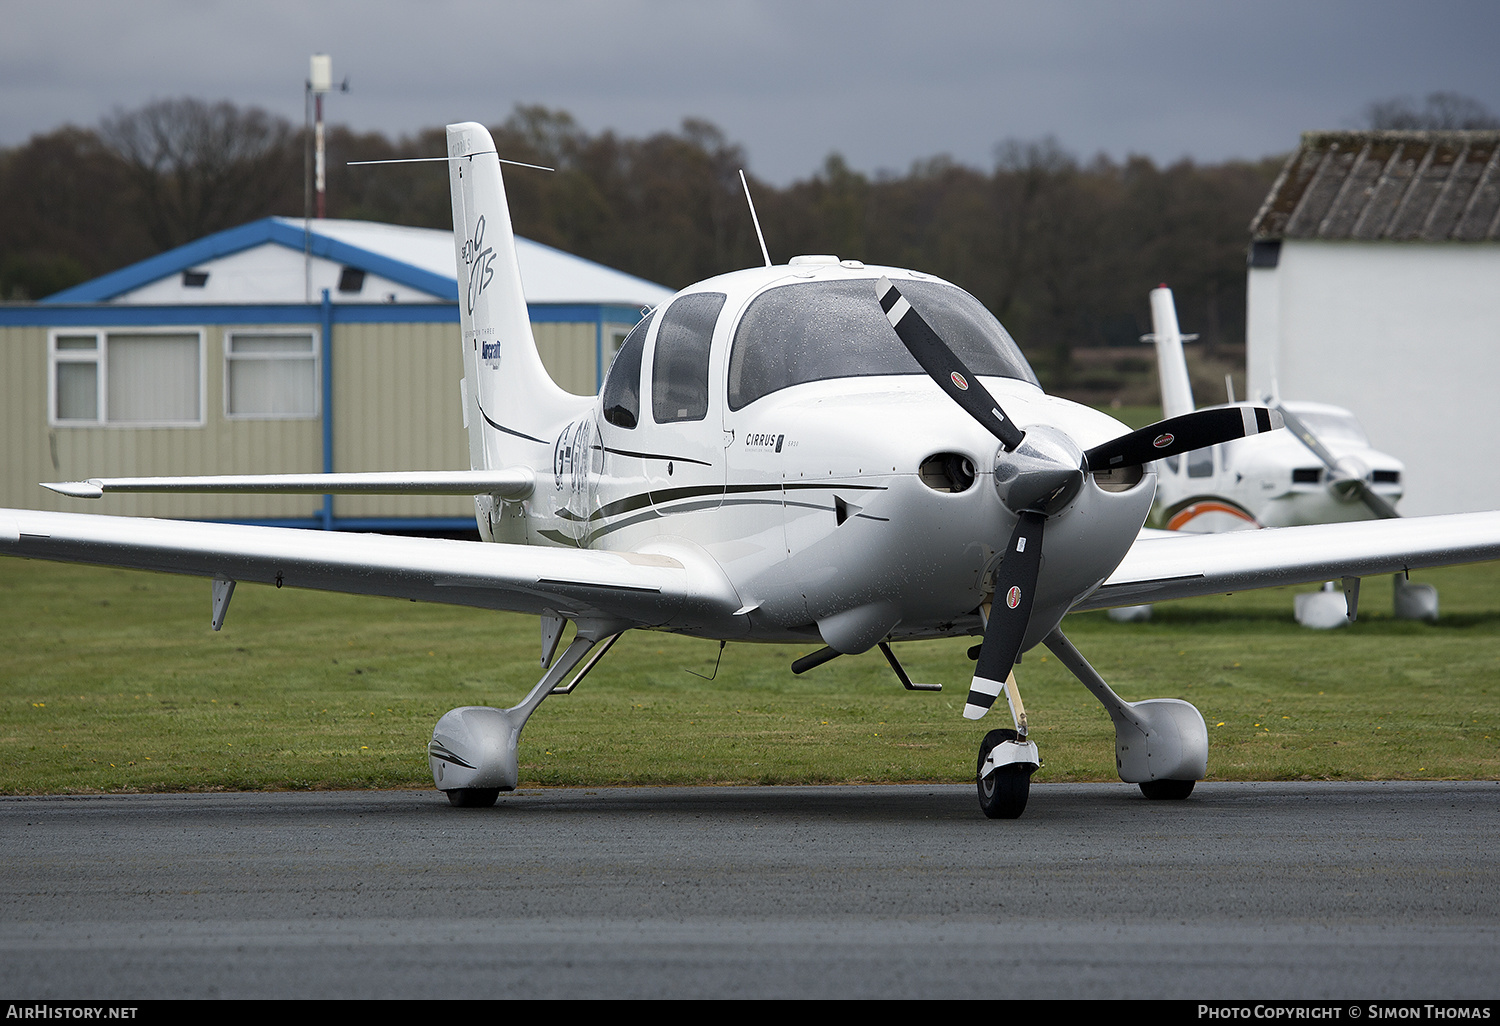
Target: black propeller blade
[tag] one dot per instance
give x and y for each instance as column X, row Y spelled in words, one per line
column 1010, row 613
column 1182, row 434
column 944, row 366
column 1367, row 495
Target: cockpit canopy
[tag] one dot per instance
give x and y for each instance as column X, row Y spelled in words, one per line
column 816, row 330
column 1334, row 426
column 793, row 334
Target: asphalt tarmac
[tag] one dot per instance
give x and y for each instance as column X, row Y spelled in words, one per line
column 1244, row 891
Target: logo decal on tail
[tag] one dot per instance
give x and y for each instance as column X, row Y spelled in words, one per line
column 479, row 261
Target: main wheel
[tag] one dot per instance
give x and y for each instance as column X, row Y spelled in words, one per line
column 473, row 797
column 1003, row 794
column 1167, row 790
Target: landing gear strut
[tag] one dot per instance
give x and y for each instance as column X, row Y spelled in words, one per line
column 1160, row 743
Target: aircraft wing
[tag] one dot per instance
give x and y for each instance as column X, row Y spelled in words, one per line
column 635, row 589
column 510, row 483
column 1164, row 565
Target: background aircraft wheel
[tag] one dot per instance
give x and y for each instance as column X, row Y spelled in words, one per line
column 473, row 797
column 1160, row 790
column 1003, row 794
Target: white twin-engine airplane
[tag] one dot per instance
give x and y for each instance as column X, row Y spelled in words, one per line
column 1323, row 470
column 817, row 451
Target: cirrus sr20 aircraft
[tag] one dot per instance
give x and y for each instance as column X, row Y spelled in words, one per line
column 813, row 452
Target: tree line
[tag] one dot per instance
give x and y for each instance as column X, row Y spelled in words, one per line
column 1064, row 251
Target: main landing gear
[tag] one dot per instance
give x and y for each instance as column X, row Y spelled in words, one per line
column 473, row 748
column 1160, row 743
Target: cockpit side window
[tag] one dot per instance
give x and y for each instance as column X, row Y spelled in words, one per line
column 679, row 375
column 1200, row 462
column 622, row 386
column 812, row 331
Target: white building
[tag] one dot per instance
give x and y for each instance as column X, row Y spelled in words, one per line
column 1374, row 284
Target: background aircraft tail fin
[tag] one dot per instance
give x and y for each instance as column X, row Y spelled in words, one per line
column 1171, row 362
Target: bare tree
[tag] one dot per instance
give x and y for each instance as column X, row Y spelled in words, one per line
column 199, row 167
column 1441, row 111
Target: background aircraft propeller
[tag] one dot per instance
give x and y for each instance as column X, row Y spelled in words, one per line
column 1038, row 473
column 1340, row 478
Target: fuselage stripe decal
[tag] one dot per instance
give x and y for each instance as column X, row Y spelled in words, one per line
column 655, row 456
column 509, row 431
column 600, row 532
column 666, row 495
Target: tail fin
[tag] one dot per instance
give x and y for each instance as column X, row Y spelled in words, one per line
column 1171, row 364
column 510, row 401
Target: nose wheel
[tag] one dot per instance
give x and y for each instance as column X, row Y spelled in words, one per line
column 1004, row 789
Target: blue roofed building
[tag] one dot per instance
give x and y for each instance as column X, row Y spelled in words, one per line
column 279, row 348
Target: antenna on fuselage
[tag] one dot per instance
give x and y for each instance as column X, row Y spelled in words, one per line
column 758, row 233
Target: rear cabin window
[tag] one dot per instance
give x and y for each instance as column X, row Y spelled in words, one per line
column 679, row 374
column 622, row 386
column 813, row 331
column 1200, row 463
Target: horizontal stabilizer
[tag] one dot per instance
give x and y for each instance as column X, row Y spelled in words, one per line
column 512, row 483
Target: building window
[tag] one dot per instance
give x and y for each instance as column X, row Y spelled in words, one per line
column 351, row 279
column 138, row 378
column 270, row 375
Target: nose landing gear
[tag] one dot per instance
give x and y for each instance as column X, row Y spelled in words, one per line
column 1004, row 785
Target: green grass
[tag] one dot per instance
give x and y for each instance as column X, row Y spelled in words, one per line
column 112, row 681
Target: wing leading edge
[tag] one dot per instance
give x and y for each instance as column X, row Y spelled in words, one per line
column 670, row 587
column 511, row 483
column 1164, row 565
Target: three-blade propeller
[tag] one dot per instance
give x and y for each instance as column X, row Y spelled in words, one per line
column 1038, row 473
column 1339, row 478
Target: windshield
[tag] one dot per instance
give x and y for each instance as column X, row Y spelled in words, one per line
column 816, row 330
column 1335, row 427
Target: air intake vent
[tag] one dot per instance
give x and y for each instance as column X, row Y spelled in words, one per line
column 947, row 472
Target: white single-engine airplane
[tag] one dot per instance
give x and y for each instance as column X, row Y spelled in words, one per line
column 1322, row 470
column 814, row 451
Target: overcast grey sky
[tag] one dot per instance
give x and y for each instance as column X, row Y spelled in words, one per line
column 884, row 83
